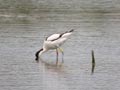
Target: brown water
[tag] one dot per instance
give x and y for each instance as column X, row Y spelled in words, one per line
column 22, row 36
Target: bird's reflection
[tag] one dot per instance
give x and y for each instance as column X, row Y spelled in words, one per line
column 52, row 66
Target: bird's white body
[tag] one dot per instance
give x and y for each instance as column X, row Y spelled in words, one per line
column 54, row 41
column 53, row 44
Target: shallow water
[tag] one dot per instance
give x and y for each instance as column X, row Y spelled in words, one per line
column 98, row 31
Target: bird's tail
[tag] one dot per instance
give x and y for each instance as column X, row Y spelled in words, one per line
column 71, row 30
column 67, row 33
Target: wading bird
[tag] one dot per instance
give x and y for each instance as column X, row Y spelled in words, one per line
column 54, row 42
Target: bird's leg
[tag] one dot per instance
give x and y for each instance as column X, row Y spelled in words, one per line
column 56, row 56
column 61, row 50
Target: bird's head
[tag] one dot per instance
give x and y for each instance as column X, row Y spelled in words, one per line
column 37, row 54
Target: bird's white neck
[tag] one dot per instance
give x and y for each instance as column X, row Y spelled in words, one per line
column 43, row 51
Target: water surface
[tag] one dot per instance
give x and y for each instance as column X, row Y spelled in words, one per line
column 23, row 35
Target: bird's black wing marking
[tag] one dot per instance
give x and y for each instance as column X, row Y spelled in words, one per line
column 56, row 38
column 53, row 39
column 60, row 35
column 66, row 32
